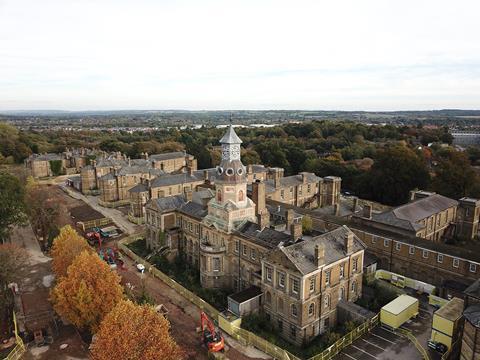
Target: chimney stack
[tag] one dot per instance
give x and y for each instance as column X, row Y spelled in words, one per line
column 250, row 169
column 258, row 196
column 146, row 155
column 190, row 171
column 336, row 209
column 276, row 178
column 304, row 177
column 289, row 215
column 367, row 211
column 205, row 175
column 319, row 256
column 188, row 194
column 296, row 230
column 355, row 204
column 349, row 242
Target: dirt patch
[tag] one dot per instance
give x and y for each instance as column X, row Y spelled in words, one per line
column 85, row 213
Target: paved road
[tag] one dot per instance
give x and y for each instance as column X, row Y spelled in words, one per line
column 23, row 236
column 117, row 216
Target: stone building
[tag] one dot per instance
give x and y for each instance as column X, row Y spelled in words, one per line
column 303, row 282
column 229, row 238
column 112, row 177
column 303, row 190
column 71, row 161
column 470, row 347
column 429, row 215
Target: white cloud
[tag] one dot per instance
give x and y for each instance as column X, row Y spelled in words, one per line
column 118, row 54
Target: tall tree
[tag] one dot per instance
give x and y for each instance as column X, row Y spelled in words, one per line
column 396, row 171
column 66, row 247
column 43, row 210
column 88, row 292
column 12, row 260
column 132, row 332
column 12, row 206
column 454, row 176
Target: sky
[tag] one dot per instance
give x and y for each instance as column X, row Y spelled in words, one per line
column 208, row 55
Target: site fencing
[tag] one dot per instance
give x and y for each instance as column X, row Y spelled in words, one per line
column 113, row 204
column 415, row 342
column 202, row 304
column 136, row 220
column 19, row 349
column 245, row 337
column 84, row 225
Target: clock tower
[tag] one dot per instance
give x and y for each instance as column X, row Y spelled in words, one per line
column 231, row 207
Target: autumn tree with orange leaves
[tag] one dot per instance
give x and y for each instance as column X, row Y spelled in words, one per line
column 88, row 292
column 132, row 332
column 66, row 247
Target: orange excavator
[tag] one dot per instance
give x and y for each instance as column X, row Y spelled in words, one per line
column 212, row 339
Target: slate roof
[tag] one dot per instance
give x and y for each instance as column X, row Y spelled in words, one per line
column 202, row 195
column 270, row 237
column 130, row 170
column 105, row 162
column 407, row 216
column 194, row 210
column 166, row 204
column 230, row 137
column 247, row 294
column 108, row 176
column 472, row 314
column 302, row 253
column 474, row 290
column 289, row 181
column 138, row 188
column 175, row 179
column 46, row 157
column 168, row 156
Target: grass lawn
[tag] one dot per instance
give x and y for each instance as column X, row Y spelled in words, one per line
column 259, row 325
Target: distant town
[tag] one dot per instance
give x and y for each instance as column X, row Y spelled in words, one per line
column 296, row 239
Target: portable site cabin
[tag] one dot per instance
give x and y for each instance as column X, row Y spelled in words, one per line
column 245, row 302
column 447, row 322
column 398, row 311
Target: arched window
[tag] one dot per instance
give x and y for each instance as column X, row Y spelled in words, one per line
column 327, row 301
column 280, row 305
column 241, row 195
column 342, row 293
column 354, row 287
column 294, row 310
column 268, row 298
column 311, row 309
column 219, row 195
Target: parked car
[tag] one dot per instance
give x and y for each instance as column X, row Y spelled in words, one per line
column 141, row 267
column 439, row 347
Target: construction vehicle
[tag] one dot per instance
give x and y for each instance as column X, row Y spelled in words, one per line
column 94, row 238
column 212, row 338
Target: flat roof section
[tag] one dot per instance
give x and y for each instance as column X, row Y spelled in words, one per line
column 451, row 310
column 399, row 304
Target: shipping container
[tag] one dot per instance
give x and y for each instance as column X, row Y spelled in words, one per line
column 447, row 322
column 398, row 311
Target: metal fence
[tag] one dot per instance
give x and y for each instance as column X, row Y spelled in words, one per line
column 348, row 339
column 415, row 342
column 113, row 204
column 202, row 304
column 245, row 337
column 84, row 225
column 19, row 348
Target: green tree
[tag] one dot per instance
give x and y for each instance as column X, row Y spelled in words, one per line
column 454, row 176
column 395, row 172
column 12, row 206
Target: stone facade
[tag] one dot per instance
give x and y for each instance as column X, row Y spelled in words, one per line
column 228, row 237
column 72, row 161
column 430, row 216
column 303, row 283
column 304, row 190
